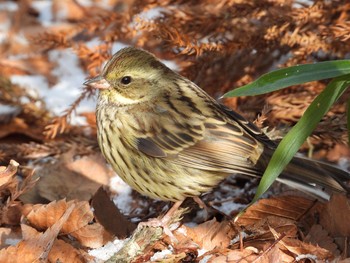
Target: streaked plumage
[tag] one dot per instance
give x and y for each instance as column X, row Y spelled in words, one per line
column 169, row 140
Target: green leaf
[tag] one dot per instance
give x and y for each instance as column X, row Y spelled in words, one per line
column 298, row 134
column 348, row 119
column 295, row 75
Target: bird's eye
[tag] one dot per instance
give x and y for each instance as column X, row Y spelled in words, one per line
column 126, row 80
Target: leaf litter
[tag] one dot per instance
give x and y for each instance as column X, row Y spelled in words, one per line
column 58, row 205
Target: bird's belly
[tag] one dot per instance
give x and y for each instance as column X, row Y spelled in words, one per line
column 162, row 179
column 156, row 177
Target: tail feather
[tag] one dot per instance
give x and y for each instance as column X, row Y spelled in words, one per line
column 315, row 177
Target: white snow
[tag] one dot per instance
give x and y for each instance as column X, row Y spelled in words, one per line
column 108, row 250
column 68, row 88
column 45, row 11
column 123, row 198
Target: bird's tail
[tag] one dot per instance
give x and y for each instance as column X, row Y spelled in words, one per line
column 315, row 177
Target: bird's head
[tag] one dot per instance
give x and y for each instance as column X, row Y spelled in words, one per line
column 131, row 76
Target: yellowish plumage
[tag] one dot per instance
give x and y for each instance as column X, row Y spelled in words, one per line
column 170, row 140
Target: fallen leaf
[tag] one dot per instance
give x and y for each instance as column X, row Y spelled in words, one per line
column 335, row 217
column 9, row 236
column 211, row 234
column 72, row 177
column 226, row 255
column 91, row 120
column 93, row 235
column 35, row 246
column 289, row 207
column 320, row 237
column 67, row 10
column 80, row 224
column 64, row 252
column 45, row 216
column 259, row 235
column 301, row 249
column 109, row 216
column 33, row 65
column 91, row 166
column 20, row 126
column 11, row 213
column 6, row 173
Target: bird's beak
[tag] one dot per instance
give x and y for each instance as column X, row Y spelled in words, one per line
column 97, row 82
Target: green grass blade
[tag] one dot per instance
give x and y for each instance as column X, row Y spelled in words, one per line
column 294, row 75
column 348, row 119
column 298, row 134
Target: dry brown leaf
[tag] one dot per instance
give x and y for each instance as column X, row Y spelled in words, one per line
column 90, row 118
column 280, row 213
column 45, row 216
column 249, row 254
column 36, row 246
column 6, row 173
column 79, row 225
column 19, row 126
column 8, row 236
column 33, row 65
column 71, row 177
column 335, row 217
column 67, row 10
column 10, row 208
column 62, row 183
column 210, row 40
column 92, row 235
column 301, row 249
column 109, row 216
column 211, row 234
column 11, row 213
column 285, row 225
column 259, row 234
column 64, row 252
column 91, row 166
column 226, row 255
column 11, row 255
column 339, row 151
column 171, row 258
column 10, row 189
column 29, row 232
column 319, row 236
column 289, row 207
column 274, row 254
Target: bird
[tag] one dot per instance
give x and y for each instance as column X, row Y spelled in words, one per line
column 169, row 140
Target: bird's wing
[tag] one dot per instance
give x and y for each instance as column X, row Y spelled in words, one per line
column 170, row 135
column 224, row 148
column 216, row 143
column 248, row 126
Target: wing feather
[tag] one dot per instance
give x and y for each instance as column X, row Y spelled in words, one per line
column 218, row 146
column 203, row 135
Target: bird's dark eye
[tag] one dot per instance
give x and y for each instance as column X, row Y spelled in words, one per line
column 126, row 80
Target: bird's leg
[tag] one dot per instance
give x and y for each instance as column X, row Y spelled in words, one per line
column 202, row 205
column 167, row 217
column 164, row 221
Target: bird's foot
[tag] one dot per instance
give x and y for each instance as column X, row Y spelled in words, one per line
column 169, row 222
column 158, row 222
column 203, row 206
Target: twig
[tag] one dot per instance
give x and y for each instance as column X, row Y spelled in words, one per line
column 142, row 238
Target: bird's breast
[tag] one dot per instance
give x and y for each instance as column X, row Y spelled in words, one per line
column 159, row 178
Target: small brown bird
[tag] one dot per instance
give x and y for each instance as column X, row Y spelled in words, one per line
column 168, row 139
